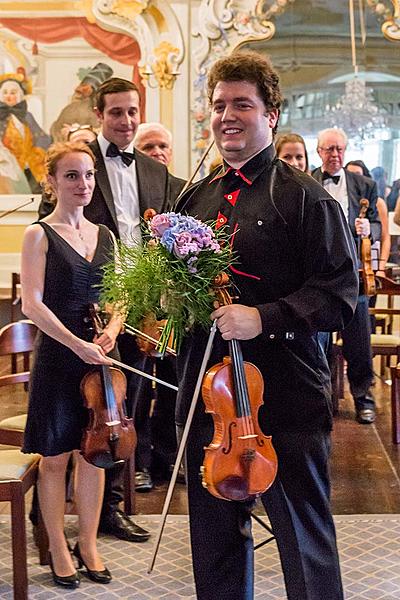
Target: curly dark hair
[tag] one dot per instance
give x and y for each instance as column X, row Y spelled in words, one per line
column 252, row 67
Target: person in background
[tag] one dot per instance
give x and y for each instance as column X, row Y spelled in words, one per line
column 291, row 283
column 80, row 133
column 348, row 189
column 291, row 148
column 379, row 175
column 155, row 140
column 62, row 259
column 380, row 254
column 155, row 422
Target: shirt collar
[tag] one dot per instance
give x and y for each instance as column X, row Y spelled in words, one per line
column 250, row 170
column 103, row 143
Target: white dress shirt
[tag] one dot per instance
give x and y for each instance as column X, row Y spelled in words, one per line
column 124, row 187
column 339, row 191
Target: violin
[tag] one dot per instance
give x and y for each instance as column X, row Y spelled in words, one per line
column 367, row 273
column 240, row 463
column 110, row 437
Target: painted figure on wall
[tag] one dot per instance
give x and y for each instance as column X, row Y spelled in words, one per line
column 19, row 131
column 80, row 110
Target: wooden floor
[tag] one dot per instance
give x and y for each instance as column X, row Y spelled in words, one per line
column 365, row 464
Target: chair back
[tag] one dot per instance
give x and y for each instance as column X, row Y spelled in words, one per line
column 15, row 296
column 15, row 338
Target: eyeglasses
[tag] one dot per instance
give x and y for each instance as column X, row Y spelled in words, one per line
column 330, row 149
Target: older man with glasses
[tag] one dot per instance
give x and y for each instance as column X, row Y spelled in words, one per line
column 348, row 189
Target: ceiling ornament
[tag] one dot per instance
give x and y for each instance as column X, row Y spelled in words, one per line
column 390, row 16
column 225, row 26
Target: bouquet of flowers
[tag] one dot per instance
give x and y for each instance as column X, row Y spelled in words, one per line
column 170, row 276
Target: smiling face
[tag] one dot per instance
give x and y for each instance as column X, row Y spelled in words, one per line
column 73, row 182
column 241, row 125
column 120, row 118
column 11, row 93
column 294, row 154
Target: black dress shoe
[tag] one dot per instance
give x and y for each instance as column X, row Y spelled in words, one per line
column 365, row 416
column 68, row 581
column 96, row 576
column 118, row 524
column 143, row 481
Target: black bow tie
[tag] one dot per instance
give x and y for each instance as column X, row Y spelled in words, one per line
column 326, row 176
column 126, row 157
column 19, row 110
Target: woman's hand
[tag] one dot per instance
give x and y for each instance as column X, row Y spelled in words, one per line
column 91, row 353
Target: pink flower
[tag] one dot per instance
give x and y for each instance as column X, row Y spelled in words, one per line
column 159, row 224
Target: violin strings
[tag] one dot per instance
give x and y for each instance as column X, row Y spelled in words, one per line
column 241, row 385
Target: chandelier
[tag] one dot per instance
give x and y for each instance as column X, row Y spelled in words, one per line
column 356, row 111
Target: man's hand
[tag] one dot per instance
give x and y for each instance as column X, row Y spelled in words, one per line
column 363, row 227
column 238, row 322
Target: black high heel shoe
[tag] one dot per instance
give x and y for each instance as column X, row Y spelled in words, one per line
column 96, row 576
column 68, row 581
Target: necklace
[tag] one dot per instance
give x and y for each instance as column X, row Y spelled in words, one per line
column 80, row 236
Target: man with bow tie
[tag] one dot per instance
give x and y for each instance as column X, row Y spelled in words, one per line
column 348, row 189
column 127, row 183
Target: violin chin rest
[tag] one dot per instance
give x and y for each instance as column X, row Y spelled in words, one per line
column 234, row 488
column 103, row 460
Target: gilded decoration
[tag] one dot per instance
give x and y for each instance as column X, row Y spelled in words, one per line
column 222, row 28
column 128, row 9
column 163, row 66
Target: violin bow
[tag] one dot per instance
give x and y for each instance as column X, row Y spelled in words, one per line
column 142, row 373
column 13, row 210
column 182, row 444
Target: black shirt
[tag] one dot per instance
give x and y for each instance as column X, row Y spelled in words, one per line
column 296, row 265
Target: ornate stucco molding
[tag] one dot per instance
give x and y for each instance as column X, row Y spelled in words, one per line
column 155, row 27
column 222, row 26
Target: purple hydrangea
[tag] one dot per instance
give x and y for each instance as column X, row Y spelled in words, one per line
column 183, row 236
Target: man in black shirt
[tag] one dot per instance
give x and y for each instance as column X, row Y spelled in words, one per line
column 295, row 274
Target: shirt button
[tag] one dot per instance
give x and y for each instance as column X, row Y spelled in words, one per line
column 259, row 222
column 272, row 336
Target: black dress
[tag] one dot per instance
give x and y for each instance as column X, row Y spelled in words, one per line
column 56, row 414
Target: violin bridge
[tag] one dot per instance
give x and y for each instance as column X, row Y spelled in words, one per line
column 248, row 436
column 112, row 423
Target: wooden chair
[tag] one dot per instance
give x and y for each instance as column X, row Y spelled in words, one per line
column 16, row 338
column 382, row 344
column 395, row 398
column 15, row 296
column 18, row 473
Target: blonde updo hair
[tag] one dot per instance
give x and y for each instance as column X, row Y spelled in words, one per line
column 54, row 154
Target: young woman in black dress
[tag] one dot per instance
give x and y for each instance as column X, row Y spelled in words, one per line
column 61, row 270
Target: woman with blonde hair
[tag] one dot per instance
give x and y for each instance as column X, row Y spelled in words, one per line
column 291, row 148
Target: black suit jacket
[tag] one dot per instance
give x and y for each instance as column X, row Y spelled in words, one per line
column 359, row 187
column 153, row 190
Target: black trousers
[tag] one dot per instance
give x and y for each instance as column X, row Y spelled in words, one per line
column 357, row 352
column 298, row 508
